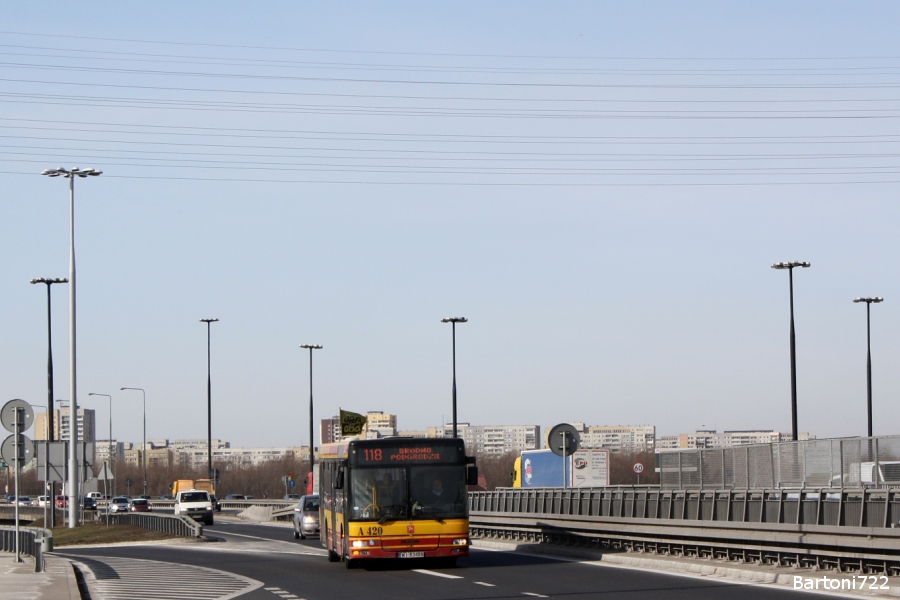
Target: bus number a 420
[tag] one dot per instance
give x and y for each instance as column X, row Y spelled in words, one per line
column 371, row 531
column 373, row 454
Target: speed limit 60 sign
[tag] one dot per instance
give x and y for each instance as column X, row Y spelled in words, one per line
column 638, row 468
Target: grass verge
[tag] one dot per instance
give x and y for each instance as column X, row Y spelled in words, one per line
column 99, row 533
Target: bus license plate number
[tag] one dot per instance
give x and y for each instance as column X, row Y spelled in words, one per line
column 410, row 555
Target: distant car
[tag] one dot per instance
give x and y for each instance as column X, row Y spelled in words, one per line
column 61, row 502
column 42, row 501
column 145, row 497
column 10, row 498
column 291, row 497
column 139, row 505
column 118, row 504
column 235, row 497
column 217, row 504
column 24, row 501
column 88, row 503
column 249, row 497
column 306, row 517
column 95, row 495
column 167, row 497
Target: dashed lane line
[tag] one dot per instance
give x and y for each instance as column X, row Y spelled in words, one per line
column 283, row 594
column 535, row 595
column 484, row 583
column 436, row 574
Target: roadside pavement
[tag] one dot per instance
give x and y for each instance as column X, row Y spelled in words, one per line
column 20, row 582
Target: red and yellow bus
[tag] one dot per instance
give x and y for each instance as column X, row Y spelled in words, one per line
column 397, row 498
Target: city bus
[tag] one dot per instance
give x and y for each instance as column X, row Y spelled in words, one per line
column 395, row 498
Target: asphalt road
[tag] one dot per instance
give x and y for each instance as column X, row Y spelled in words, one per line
column 289, row 568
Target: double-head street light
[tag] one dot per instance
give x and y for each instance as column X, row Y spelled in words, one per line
column 49, row 432
column 790, row 266
column 312, row 452
column 869, row 302
column 144, row 447
column 71, row 174
column 454, row 321
column 208, row 399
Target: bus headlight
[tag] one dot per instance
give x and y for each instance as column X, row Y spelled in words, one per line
column 362, row 543
column 461, row 542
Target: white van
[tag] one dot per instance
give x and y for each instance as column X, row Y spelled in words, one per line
column 95, row 496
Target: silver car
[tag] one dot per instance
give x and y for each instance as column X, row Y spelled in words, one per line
column 118, row 504
column 306, row 517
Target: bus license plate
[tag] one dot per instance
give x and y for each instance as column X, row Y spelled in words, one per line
column 410, row 555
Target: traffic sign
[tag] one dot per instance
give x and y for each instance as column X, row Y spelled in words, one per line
column 564, row 439
column 291, row 483
column 638, row 468
column 8, row 449
column 8, row 415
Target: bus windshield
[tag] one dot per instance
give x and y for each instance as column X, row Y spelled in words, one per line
column 427, row 492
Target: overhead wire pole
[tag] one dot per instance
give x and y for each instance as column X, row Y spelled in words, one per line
column 869, row 302
column 51, row 518
column 790, row 266
column 454, row 321
column 71, row 174
column 312, row 451
column 209, row 467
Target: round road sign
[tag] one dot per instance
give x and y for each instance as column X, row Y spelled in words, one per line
column 8, row 449
column 564, row 437
column 8, row 415
column 638, row 468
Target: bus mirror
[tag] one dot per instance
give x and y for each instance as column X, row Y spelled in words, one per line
column 339, row 480
column 471, row 475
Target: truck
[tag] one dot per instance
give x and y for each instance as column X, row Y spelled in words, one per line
column 194, row 499
column 543, row 468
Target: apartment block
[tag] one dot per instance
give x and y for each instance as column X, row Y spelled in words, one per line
column 330, row 430
column 620, row 438
column 384, row 423
column 497, row 439
column 108, row 450
column 710, row 438
column 61, row 424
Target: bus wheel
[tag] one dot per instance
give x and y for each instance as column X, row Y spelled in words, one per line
column 333, row 556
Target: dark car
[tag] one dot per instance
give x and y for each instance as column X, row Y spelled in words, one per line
column 145, row 497
column 139, row 505
column 88, row 503
column 217, row 504
column 306, row 517
column 291, row 497
column 235, row 497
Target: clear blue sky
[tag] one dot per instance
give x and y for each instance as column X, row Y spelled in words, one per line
column 599, row 187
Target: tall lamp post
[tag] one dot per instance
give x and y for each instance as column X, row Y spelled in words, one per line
column 71, row 174
column 110, row 439
column 208, row 398
column 144, row 447
column 454, row 321
column 49, row 432
column 790, row 266
column 869, row 302
column 312, row 451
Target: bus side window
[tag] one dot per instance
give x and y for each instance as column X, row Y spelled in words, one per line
column 339, row 479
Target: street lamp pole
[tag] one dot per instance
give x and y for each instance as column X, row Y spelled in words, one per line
column 144, row 447
column 790, row 266
column 71, row 174
column 454, row 321
column 869, row 302
column 208, row 399
column 312, row 451
column 109, row 447
column 49, row 432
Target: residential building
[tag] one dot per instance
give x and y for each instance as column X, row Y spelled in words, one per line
column 133, row 457
column 414, row 433
column 620, row 438
column 497, row 439
column 710, row 438
column 102, row 450
column 330, row 430
column 243, row 457
column 384, row 423
column 85, row 419
column 160, row 457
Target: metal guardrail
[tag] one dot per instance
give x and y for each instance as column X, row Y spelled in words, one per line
column 33, row 541
column 826, row 528
column 175, row 524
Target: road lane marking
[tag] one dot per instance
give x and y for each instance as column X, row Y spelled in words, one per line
column 535, row 595
column 436, row 574
column 272, row 589
column 485, row 584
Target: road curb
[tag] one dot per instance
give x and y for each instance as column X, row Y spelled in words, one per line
column 169, row 542
column 779, row 577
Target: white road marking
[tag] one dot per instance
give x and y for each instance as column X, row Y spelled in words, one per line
column 535, row 595
column 272, row 589
column 436, row 574
column 485, row 584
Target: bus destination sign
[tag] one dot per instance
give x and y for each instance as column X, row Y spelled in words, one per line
column 406, row 454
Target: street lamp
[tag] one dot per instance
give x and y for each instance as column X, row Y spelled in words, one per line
column 71, row 174
column 454, row 321
column 144, row 447
column 109, row 444
column 790, row 266
column 208, row 399
column 869, row 302
column 312, row 452
column 49, row 282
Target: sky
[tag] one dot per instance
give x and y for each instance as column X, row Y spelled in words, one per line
column 599, row 187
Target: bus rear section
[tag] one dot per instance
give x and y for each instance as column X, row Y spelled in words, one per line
column 396, row 498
